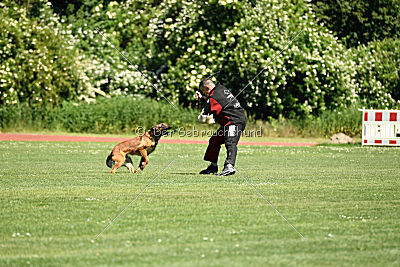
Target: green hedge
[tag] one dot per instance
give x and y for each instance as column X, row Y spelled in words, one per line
column 106, row 115
column 122, row 114
column 343, row 120
column 39, row 64
column 314, row 73
column 172, row 45
column 378, row 73
column 132, row 114
column 360, row 22
column 304, row 77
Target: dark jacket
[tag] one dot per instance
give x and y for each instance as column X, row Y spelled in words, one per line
column 225, row 107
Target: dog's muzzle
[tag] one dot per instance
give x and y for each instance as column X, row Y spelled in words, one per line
column 165, row 131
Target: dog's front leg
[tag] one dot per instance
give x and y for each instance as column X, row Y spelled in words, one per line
column 116, row 166
column 143, row 161
column 119, row 160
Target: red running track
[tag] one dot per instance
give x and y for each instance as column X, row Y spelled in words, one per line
column 68, row 138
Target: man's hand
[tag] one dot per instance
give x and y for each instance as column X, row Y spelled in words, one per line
column 201, row 116
column 209, row 119
column 198, row 96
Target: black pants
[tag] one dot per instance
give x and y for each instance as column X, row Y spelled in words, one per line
column 228, row 135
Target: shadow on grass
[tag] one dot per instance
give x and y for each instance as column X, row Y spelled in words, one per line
column 184, row 173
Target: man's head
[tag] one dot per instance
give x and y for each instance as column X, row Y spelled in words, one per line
column 206, row 86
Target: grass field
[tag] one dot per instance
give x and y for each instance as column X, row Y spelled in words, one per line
column 57, row 197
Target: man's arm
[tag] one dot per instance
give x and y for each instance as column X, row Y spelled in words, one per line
column 214, row 107
column 206, row 115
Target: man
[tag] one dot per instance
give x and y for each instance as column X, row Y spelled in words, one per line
column 230, row 115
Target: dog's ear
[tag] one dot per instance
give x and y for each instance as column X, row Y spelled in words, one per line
column 165, row 126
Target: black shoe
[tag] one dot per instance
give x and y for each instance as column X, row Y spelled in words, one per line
column 210, row 170
column 228, row 170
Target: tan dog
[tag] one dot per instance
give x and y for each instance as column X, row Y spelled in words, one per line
column 141, row 145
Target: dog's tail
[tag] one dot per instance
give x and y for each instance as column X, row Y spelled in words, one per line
column 109, row 162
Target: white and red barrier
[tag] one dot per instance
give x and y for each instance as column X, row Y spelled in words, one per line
column 381, row 127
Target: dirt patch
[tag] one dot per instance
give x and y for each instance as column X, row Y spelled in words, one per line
column 341, row 138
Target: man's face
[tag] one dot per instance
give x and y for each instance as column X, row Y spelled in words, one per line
column 205, row 90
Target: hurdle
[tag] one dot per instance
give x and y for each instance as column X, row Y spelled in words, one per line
column 380, row 127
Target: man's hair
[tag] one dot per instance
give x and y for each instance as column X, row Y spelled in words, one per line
column 206, row 82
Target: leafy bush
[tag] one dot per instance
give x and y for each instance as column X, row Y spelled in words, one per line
column 360, row 22
column 46, row 61
column 378, row 73
column 112, row 40
column 38, row 57
column 164, row 48
column 305, row 77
